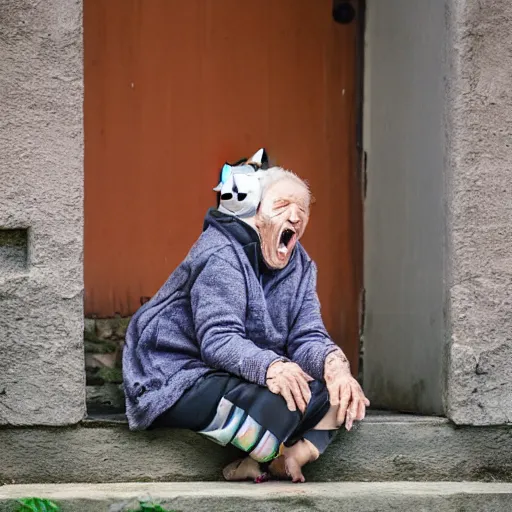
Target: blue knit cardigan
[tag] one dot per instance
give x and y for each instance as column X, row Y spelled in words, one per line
column 216, row 311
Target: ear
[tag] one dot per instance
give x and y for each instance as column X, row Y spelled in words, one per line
column 260, row 157
column 224, row 175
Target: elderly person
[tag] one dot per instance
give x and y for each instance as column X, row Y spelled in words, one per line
column 233, row 345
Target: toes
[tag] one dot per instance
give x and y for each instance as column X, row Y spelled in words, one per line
column 230, row 471
column 245, row 469
column 264, row 477
column 294, row 470
column 299, row 480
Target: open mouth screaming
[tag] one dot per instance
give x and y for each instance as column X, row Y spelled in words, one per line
column 286, row 243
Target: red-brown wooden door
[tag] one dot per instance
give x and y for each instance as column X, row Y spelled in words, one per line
column 173, row 88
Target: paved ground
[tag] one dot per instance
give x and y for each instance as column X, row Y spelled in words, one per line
column 226, row 497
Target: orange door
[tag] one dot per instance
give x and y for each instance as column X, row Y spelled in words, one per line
column 173, row 88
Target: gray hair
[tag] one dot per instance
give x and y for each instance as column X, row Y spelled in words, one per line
column 275, row 174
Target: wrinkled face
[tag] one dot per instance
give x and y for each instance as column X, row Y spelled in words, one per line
column 281, row 220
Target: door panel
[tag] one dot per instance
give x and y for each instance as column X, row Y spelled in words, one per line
column 173, row 88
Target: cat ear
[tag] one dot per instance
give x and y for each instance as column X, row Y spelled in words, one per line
column 260, row 157
column 224, row 175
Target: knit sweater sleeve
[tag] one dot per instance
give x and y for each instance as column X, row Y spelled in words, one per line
column 308, row 341
column 219, row 307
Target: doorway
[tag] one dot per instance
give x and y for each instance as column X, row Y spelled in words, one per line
column 173, row 89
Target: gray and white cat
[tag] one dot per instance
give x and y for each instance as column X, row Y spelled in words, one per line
column 240, row 185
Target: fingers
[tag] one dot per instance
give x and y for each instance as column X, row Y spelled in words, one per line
column 354, row 405
column 296, row 392
column 333, row 387
column 355, row 412
column 306, row 392
column 349, row 398
column 273, row 386
column 298, row 381
column 361, row 407
column 290, row 402
column 289, row 380
column 352, row 411
column 334, row 394
column 351, row 415
column 346, row 394
column 301, row 392
column 297, row 370
column 361, row 410
column 308, row 377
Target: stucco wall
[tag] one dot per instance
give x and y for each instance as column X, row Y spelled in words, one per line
column 479, row 186
column 41, row 140
column 404, row 217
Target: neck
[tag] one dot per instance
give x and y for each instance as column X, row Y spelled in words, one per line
column 251, row 222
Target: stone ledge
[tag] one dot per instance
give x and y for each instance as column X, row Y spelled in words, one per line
column 226, row 497
column 382, row 448
column 116, row 418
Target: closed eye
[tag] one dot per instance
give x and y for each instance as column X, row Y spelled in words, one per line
column 279, row 205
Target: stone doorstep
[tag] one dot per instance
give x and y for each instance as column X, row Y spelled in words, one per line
column 231, row 497
column 385, row 447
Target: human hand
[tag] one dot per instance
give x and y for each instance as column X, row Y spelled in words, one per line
column 344, row 391
column 291, row 382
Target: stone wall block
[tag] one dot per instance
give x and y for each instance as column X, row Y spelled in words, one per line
column 42, row 377
column 479, row 222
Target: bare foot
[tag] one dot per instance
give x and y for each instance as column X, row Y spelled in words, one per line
column 244, row 469
column 286, row 468
column 277, row 468
column 289, row 465
column 293, row 468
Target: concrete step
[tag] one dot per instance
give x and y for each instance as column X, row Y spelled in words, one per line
column 385, row 447
column 228, row 497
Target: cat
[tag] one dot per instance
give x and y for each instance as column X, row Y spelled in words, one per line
column 240, row 185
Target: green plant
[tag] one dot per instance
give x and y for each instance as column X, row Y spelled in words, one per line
column 151, row 507
column 37, row 505
column 44, row 505
column 113, row 375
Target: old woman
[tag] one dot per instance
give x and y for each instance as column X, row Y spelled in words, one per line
column 233, row 345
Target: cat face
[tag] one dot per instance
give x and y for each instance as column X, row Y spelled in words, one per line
column 240, row 186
